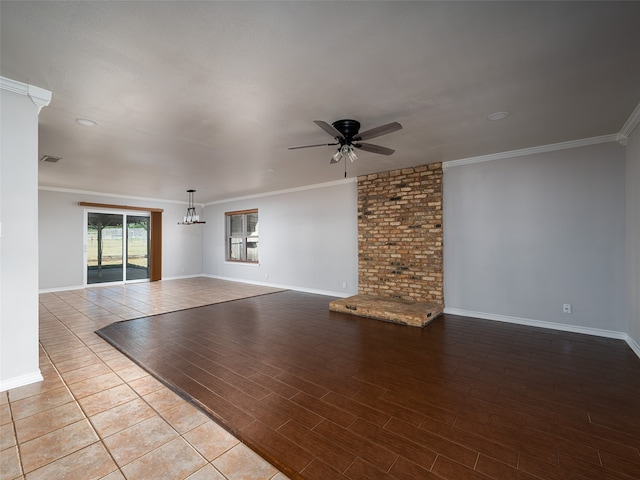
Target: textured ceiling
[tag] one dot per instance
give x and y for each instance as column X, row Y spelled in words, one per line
column 209, row 95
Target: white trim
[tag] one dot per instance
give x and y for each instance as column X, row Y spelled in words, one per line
column 288, row 190
column 230, row 279
column 14, row 86
column 21, row 381
column 631, row 123
column 533, row 150
column 61, row 289
column 39, row 96
column 622, row 140
column 538, row 323
column 633, row 345
column 284, row 287
column 107, row 285
column 115, row 195
column 179, row 202
column 180, row 277
column 598, row 332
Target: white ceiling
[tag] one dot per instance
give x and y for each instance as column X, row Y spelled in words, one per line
column 209, row 95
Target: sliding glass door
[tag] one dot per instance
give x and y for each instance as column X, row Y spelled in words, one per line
column 137, row 247
column 117, row 247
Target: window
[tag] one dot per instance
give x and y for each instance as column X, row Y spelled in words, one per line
column 242, row 236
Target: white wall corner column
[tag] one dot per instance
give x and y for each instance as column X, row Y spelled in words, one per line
column 20, row 105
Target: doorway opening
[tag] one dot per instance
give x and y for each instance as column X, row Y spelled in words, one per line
column 117, row 247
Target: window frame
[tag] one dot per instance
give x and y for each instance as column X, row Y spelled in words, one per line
column 245, row 236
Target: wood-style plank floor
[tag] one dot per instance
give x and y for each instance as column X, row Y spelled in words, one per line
column 323, row 395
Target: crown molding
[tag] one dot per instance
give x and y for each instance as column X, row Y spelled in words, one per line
column 201, row 205
column 113, row 195
column 620, row 137
column 631, row 123
column 14, row 86
column 534, row 150
column 39, row 96
column 288, row 190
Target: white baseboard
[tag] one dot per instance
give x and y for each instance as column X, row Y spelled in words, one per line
column 20, row 381
column 551, row 325
column 180, row 277
column 328, row 293
column 106, row 284
column 60, row 289
column 633, row 345
column 340, row 294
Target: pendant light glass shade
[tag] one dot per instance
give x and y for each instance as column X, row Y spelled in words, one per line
column 344, row 151
column 351, row 154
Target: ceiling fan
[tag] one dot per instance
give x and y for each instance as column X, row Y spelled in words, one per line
column 346, row 135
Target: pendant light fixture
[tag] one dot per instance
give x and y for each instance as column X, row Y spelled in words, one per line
column 191, row 218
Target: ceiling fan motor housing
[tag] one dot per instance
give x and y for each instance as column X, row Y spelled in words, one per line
column 348, row 128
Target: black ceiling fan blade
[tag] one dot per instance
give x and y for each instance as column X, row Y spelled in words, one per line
column 378, row 131
column 330, row 129
column 317, row 145
column 368, row 147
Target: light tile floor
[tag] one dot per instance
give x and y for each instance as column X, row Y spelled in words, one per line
column 97, row 415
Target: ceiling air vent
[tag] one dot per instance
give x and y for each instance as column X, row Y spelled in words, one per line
column 50, row 159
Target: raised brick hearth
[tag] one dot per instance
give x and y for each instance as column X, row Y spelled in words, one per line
column 415, row 314
column 400, row 269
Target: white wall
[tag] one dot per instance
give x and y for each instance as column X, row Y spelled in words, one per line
column 633, row 235
column 62, row 230
column 308, row 239
column 525, row 235
column 19, row 240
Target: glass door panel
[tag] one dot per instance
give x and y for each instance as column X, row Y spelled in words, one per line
column 137, row 247
column 104, row 247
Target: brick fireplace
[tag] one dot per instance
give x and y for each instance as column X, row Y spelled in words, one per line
column 400, row 266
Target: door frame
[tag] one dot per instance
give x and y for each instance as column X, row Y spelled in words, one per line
column 155, row 237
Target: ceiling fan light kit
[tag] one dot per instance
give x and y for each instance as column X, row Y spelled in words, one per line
column 347, row 137
column 191, row 218
column 344, row 151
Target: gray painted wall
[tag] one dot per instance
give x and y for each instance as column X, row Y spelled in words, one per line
column 61, row 237
column 523, row 236
column 308, row 239
column 633, row 234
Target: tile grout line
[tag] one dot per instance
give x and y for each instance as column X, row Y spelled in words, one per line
column 75, row 399
column 103, row 362
column 138, row 395
column 60, row 336
column 84, row 413
column 86, row 417
column 15, row 436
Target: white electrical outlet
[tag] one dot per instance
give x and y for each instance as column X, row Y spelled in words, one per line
column 566, row 308
column 344, row 284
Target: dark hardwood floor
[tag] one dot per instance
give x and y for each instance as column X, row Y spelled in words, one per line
column 323, row 395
